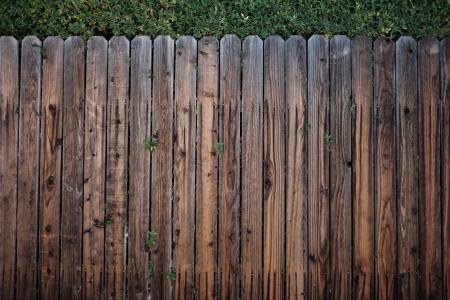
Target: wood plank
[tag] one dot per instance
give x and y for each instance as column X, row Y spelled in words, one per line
column 184, row 198
column 339, row 144
column 361, row 108
column 407, row 176
column 72, row 182
column 252, row 167
column 296, row 176
column 139, row 164
column 9, row 105
column 385, row 172
column 445, row 161
column 94, row 167
column 28, row 168
column 51, row 159
column 274, row 167
column 162, row 160
column 318, row 166
column 116, row 166
column 207, row 163
column 229, row 165
column 430, row 208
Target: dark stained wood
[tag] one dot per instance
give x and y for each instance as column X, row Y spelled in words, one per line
column 229, row 165
column 407, row 176
column 361, row 108
column 318, row 167
column 184, row 198
column 9, row 105
column 116, row 166
column 274, row 167
column 445, row 161
column 207, row 163
column 252, row 167
column 339, row 144
column 94, row 167
column 72, row 165
column 50, row 191
column 296, row 176
column 139, row 164
column 161, row 182
column 28, row 168
column 385, row 172
column 430, row 208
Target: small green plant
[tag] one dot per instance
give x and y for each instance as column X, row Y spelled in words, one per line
column 107, row 220
column 352, row 106
column 151, row 239
column 150, row 269
column 219, row 147
column 329, row 139
column 151, row 144
column 171, row 275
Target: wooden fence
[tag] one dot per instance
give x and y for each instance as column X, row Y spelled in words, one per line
column 233, row 168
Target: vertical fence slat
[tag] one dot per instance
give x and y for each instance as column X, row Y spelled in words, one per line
column 274, row 164
column 429, row 208
column 361, row 108
column 9, row 105
column 339, row 144
column 296, row 181
column 116, row 166
column 72, row 182
column 318, row 166
column 445, row 161
column 229, row 165
column 207, row 163
column 385, row 187
column 252, row 168
column 140, row 240
column 94, row 167
column 184, row 199
column 28, row 172
column 162, row 130
column 50, row 191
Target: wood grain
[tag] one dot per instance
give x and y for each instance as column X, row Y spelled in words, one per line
column 430, row 206
column 72, row 168
column 252, row 167
column 139, row 167
column 361, row 108
column 94, row 167
column 184, row 198
column 116, row 166
column 50, row 177
column 318, row 166
column 385, row 172
column 207, row 163
column 9, row 129
column 28, row 168
column 407, row 176
column 296, row 168
column 339, row 144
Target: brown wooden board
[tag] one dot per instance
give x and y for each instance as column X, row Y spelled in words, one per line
column 140, row 240
column 430, row 208
column 28, row 168
column 252, row 167
column 184, row 160
column 207, row 163
column 385, row 172
column 51, row 156
column 94, row 167
column 161, row 182
column 296, row 168
column 72, row 169
column 318, row 167
column 339, row 143
column 361, row 108
column 9, row 105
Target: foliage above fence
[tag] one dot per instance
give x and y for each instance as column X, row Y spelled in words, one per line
column 200, row 168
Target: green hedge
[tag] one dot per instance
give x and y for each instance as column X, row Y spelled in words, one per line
column 209, row 17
